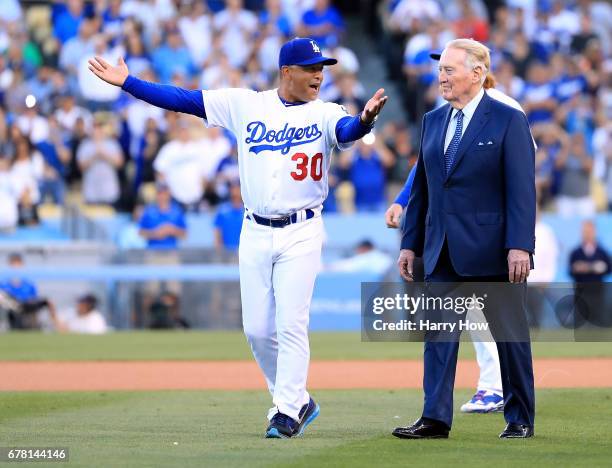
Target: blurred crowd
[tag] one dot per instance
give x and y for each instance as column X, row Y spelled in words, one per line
column 66, row 136
column 553, row 56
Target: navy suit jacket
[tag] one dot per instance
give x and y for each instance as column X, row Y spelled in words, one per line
column 486, row 204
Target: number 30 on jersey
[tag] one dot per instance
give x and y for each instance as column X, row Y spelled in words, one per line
column 306, row 165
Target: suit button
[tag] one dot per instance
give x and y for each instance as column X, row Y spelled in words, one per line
column 446, row 185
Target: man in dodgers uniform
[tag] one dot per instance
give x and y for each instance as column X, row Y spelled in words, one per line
column 285, row 140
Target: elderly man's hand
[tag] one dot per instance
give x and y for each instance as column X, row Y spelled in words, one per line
column 405, row 263
column 518, row 265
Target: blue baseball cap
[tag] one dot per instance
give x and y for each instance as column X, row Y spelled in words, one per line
column 302, row 51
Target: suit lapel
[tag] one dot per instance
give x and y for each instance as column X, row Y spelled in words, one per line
column 480, row 117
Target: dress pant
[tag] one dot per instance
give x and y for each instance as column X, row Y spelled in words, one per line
column 511, row 334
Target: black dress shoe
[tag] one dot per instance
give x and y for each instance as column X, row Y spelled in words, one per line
column 423, row 429
column 516, row 431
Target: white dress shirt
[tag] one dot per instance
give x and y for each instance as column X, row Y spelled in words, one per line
column 468, row 113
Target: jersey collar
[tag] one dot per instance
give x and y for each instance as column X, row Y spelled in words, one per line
column 289, row 104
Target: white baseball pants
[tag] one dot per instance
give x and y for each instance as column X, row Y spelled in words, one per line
column 486, row 355
column 278, row 268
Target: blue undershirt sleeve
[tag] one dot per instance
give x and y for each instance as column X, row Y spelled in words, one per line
column 167, row 97
column 350, row 129
column 404, row 195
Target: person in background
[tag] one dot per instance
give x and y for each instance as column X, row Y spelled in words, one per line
column 27, row 170
column 163, row 223
column 323, row 23
column 228, row 222
column 589, row 262
column 67, row 20
column 148, row 148
column 84, row 318
column 21, row 289
column 56, row 159
column 179, row 164
column 8, row 197
column 99, row 157
column 165, row 313
column 575, row 165
column 366, row 166
column 25, row 294
column 366, row 258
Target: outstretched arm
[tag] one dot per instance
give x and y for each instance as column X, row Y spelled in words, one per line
column 167, row 97
column 353, row 128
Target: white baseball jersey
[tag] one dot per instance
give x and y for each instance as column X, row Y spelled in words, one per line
column 283, row 151
column 502, row 97
column 509, row 101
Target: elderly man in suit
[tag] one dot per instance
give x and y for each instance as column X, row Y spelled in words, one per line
column 473, row 204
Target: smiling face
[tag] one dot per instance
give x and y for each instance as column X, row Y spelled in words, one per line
column 459, row 83
column 301, row 83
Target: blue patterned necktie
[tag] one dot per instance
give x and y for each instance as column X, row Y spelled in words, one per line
column 453, row 146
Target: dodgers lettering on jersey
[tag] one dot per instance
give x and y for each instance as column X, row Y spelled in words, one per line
column 286, row 138
column 283, row 151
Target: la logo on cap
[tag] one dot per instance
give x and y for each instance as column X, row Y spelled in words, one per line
column 315, row 47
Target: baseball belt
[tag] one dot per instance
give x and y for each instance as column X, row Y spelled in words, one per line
column 283, row 220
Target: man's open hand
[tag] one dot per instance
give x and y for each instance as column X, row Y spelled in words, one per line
column 373, row 106
column 114, row 75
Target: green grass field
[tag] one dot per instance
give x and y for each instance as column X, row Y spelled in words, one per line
column 212, row 428
column 134, row 429
column 232, row 346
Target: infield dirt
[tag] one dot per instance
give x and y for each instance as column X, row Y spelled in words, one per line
column 244, row 375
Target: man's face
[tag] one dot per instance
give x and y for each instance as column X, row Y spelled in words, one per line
column 456, row 80
column 321, row 5
column 588, row 232
column 163, row 197
column 304, row 83
column 82, row 308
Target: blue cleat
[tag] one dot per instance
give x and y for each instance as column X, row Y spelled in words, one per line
column 281, row 427
column 308, row 414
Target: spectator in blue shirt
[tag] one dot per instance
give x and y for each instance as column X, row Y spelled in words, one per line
column 322, row 23
column 172, row 58
column 367, row 173
column 24, row 314
column 163, row 223
column 66, row 23
column 274, row 21
column 136, row 56
column 538, row 99
column 228, row 221
column 20, row 289
column 572, row 83
column 112, row 20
